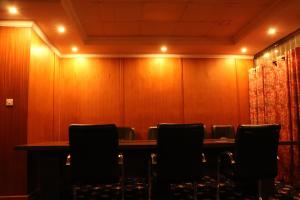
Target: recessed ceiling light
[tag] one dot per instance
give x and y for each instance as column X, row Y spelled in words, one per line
column 12, row 10
column 276, row 51
column 272, row 31
column 74, row 49
column 244, row 50
column 164, row 48
column 61, row 29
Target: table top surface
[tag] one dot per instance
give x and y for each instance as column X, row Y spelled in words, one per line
column 53, row 145
column 131, row 144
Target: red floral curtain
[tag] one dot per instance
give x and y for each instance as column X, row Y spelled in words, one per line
column 253, row 95
column 274, row 96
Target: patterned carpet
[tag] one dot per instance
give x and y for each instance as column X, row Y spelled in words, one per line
column 137, row 190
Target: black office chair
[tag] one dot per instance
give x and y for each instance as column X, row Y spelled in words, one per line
column 178, row 158
column 255, row 158
column 126, row 133
column 222, row 131
column 94, row 156
column 152, row 133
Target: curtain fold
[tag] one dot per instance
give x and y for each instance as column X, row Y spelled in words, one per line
column 274, row 97
column 253, row 96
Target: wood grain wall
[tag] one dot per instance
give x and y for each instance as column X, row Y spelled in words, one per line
column 50, row 93
column 152, row 92
column 216, row 91
column 42, row 73
column 141, row 92
column 90, row 92
column 14, row 62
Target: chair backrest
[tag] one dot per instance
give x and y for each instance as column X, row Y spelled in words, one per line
column 126, row 133
column 179, row 152
column 222, row 131
column 94, row 153
column 256, row 151
column 152, row 133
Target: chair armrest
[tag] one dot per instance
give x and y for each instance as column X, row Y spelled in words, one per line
column 68, row 160
column 204, row 158
column 153, row 159
column 120, row 159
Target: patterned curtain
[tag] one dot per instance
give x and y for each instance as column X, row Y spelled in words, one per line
column 274, row 96
column 253, row 95
column 293, row 66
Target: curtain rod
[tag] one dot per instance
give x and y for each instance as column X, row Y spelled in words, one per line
column 277, row 43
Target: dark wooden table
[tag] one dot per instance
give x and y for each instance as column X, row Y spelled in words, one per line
column 49, row 177
column 124, row 145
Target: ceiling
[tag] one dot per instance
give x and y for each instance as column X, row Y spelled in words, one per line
column 190, row 27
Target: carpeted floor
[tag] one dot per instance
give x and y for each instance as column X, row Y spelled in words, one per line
column 137, row 190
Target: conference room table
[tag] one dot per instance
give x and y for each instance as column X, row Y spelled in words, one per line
column 49, row 177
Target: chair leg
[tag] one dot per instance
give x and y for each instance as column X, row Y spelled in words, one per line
column 259, row 190
column 74, row 193
column 195, row 190
column 218, row 179
column 149, row 181
column 122, row 182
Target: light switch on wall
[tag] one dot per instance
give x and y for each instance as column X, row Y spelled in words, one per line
column 9, row 102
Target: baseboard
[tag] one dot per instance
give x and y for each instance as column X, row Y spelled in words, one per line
column 14, row 197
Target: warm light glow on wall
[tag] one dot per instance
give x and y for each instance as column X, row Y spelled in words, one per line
column 80, row 65
column 272, row 31
column 61, row 29
column 74, row 49
column 13, row 10
column 38, row 51
column 80, row 60
column 159, row 61
column 158, row 67
column 244, row 50
column 164, row 48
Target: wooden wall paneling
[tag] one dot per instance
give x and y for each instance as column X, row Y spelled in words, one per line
column 242, row 68
column 90, row 92
column 14, row 62
column 153, row 92
column 57, row 98
column 40, row 93
column 210, row 93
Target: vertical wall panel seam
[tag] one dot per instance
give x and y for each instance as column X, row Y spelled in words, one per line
column 53, row 97
column 122, row 90
column 237, row 92
column 59, row 98
column 182, row 91
column 28, row 79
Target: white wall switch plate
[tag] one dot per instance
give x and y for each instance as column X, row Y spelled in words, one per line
column 9, row 102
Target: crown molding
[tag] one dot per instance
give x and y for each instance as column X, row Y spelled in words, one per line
column 35, row 28
column 18, row 24
column 156, row 56
column 40, row 33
